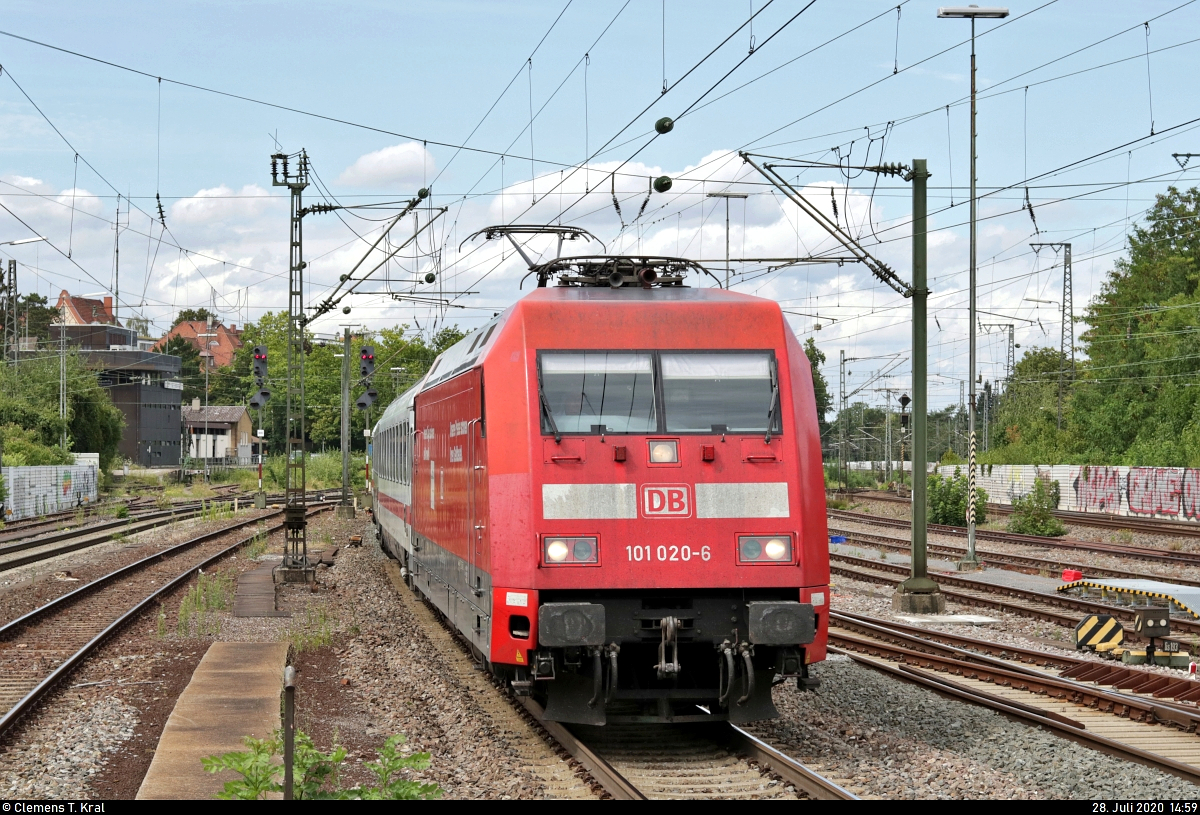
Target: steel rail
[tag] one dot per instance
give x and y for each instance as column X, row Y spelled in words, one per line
column 605, row 774
column 1083, row 736
column 1063, row 601
column 1157, row 526
column 92, row 536
column 801, row 777
column 1014, row 562
column 30, row 700
column 1188, row 558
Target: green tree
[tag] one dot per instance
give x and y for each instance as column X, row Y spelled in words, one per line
column 29, row 394
column 1134, row 403
column 190, row 372
column 36, row 316
column 1026, row 422
column 190, row 314
column 816, row 358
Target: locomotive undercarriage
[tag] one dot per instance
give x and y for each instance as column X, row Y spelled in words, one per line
column 666, row 656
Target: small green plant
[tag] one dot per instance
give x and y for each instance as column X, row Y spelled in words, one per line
column 1033, row 513
column 161, row 620
column 208, row 594
column 947, row 500
column 316, row 775
column 121, row 511
column 216, row 510
column 1125, row 536
column 257, row 545
column 313, row 631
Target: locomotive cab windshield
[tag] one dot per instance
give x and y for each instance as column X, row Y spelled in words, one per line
column 618, row 392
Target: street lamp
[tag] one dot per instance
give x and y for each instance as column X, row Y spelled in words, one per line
column 727, row 196
column 23, row 240
column 971, row 561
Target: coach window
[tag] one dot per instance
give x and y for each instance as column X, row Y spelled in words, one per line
column 598, row 392
column 716, row 393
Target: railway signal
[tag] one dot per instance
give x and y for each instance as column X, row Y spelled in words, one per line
column 366, row 361
column 260, row 364
column 259, row 399
column 367, row 399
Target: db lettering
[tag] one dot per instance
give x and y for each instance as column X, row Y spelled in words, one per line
column 666, row 500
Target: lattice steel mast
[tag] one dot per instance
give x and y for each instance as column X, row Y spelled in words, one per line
column 295, row 554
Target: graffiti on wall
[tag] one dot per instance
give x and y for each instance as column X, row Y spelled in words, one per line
column 1098, row 489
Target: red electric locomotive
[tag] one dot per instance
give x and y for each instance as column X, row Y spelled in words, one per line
column 614, row 491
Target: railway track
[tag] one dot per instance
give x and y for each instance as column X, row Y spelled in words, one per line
column 631, row 762
column 1030, row 565
column 1132, row 727
column 1054, row 608
column 720, row 761
column 43, row 547
column 1120, row 550
column 1154, row 526
column 40, row 648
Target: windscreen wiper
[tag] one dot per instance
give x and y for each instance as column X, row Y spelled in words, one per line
column 774, row 401
column 546, row 407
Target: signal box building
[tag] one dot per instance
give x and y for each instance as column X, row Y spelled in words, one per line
column 144, row 385
column 223, row 432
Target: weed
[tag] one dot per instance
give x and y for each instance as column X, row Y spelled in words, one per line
column 257, row 546
column 316, row 774
column 1125, row 536
column 314, row 631
column 216, row 510
column 883, row 553
column 208, row 594
column 162, row 621
column 1032, row 513
column 1175, row 545
column 835, row 503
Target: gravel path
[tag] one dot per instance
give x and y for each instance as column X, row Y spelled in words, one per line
column 888, row 739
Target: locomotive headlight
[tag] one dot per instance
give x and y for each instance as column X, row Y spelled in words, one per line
column 561, row 550
column 664, row 452
column 764, row 549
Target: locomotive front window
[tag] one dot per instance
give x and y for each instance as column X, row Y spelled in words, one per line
column 711, row 393
column 599, row 392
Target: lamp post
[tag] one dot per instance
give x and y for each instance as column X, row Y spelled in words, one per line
column 727, row 196
column 971, row 561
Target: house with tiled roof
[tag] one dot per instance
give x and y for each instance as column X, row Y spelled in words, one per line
column 223, row 346
column 85, row 310
column 219, row 431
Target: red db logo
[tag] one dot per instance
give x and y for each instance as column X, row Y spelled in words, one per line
column 666, row 500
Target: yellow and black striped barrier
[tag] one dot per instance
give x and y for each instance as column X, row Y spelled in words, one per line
column 1098, row 632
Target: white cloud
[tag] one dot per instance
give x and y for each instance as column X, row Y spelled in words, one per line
column 407, row 163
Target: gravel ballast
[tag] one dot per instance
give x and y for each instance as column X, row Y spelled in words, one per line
column 889, row 739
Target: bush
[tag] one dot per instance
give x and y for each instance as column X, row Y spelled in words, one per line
column 947, row 500
column 316, row 774
column 1032, row 513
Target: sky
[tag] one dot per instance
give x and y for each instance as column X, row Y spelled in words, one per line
column 541, row 112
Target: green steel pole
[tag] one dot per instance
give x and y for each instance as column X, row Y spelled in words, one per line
column 919, row 582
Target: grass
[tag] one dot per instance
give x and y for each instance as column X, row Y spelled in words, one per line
column 835, row 503
column 208, row 594
column 257, row 546
column 312, row 632
column 216, row 511
column 1175, row 545
column 1125, row 535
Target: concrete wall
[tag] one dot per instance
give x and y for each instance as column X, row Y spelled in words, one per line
column 36, row 491
column 1142, row 492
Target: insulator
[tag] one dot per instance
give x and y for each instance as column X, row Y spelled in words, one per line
column 664, row 125
column 423, row 193
column 662, row 183
column 430, row 277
